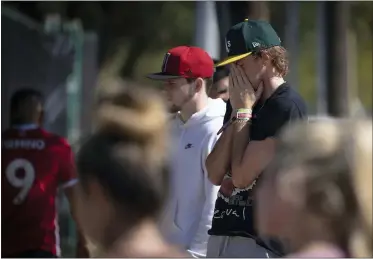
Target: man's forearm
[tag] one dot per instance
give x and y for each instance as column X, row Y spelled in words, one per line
column 218, row 161
column 241, row 132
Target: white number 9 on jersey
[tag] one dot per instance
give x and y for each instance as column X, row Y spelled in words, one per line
column 24, row 183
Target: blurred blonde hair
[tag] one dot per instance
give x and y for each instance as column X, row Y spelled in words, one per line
column 361, row 243
column 136, row 111
column 130, row 137
column 329, row 155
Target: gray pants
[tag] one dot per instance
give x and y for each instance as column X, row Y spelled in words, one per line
column 223, row 246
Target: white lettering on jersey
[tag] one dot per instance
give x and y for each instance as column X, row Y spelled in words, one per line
column 24, row 184
column 38, row 144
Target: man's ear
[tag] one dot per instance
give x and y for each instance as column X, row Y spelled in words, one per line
column 264, row 55
column 199, row 83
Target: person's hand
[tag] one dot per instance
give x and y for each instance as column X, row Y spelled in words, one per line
column 242, row 93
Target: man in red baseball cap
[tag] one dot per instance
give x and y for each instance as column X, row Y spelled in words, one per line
column 185, row 68
column 187, row 74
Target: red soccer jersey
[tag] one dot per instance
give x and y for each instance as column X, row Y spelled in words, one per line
column 35, row 163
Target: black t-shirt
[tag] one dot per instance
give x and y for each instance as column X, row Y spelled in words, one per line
column 233, row 214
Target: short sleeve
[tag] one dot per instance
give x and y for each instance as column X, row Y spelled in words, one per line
column 228, row 112
column 282, row 112
column 67, row 170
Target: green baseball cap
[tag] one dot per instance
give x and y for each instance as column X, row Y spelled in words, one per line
column 247, row 37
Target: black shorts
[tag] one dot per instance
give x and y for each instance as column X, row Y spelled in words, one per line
column 32, row 254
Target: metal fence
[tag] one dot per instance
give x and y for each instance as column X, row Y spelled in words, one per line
column 32, row 58
column 62, row 64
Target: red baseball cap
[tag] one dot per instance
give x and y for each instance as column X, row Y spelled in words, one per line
column 186, row 62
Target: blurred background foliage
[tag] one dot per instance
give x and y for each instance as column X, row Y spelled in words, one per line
column 135, row 35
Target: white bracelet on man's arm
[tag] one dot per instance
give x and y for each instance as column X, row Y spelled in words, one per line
column 243, row 114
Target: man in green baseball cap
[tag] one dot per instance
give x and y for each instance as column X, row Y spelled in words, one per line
column 260, row 103
column 248, row 37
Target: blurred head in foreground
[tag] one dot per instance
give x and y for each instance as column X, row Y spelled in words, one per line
column 220, row 87
column 187, row 74
column 124, row 174
column 362, row 239
column 316, row 195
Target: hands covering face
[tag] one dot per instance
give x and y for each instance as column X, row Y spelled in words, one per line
column 241, row 91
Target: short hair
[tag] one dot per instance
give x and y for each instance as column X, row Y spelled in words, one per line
column 25, row 106
column 127, row 153
column 23, row 95
column 220, row 73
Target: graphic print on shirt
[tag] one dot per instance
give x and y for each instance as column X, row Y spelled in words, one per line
column 235, row 199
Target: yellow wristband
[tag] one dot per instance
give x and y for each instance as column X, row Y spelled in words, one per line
column 244, row 110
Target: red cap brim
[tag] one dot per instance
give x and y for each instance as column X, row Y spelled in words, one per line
column 162, row 76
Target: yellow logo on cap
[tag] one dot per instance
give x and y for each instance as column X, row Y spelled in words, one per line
column 246, row 20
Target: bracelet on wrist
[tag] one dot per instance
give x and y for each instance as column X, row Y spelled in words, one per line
column 243, row 120
column 245, row 110
column 243, row 114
